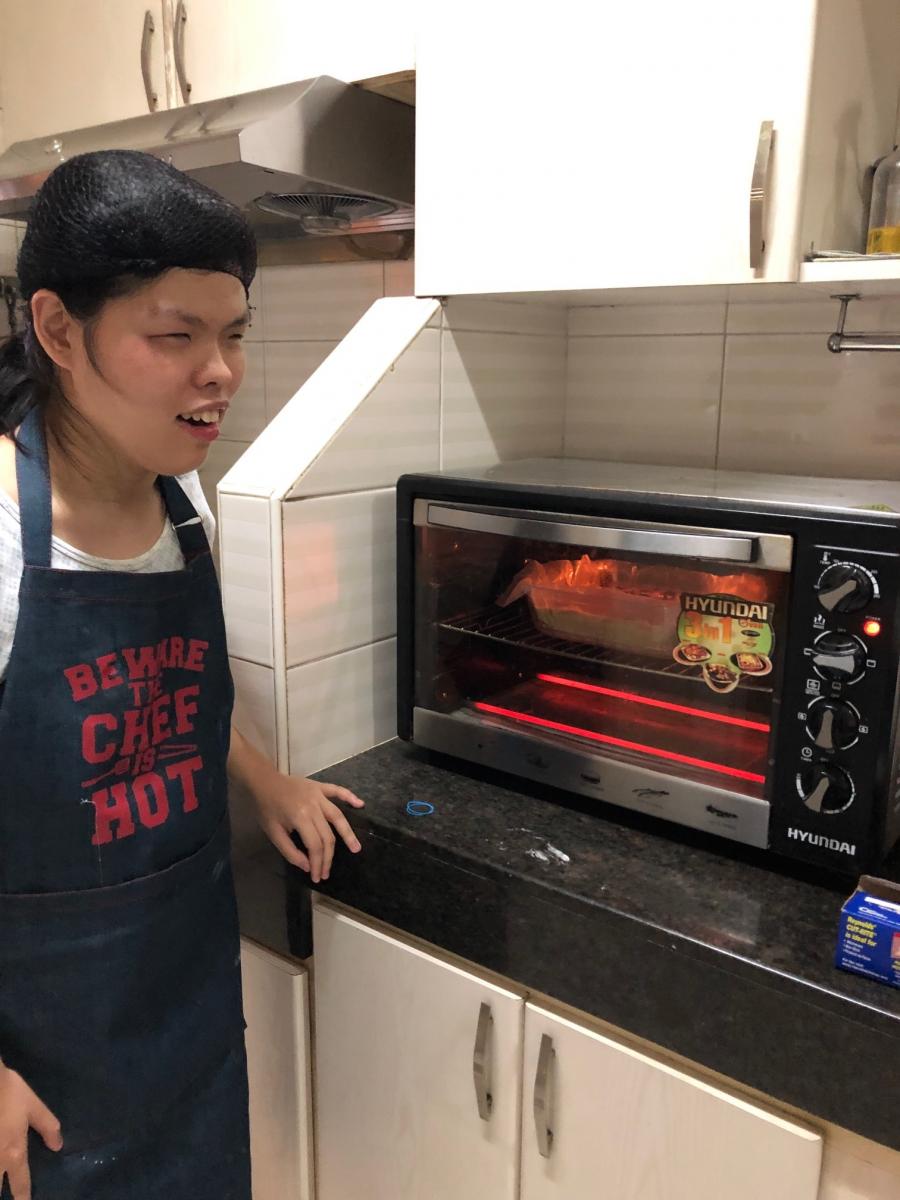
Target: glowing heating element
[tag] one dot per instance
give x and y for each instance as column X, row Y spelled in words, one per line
column 724, row 718
column 606, row 740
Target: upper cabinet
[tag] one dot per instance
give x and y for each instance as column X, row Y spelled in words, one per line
column 646, row 144
column 232, row 46
column 64, row 65
column 67, row 65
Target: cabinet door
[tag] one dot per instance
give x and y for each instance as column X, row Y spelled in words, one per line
column 276, row 1008
column 397, row 1036
column 629, row 1128
column 607, row 145
column 67, row 64
column 231, row 46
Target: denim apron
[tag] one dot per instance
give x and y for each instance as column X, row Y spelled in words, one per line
column 120, row 990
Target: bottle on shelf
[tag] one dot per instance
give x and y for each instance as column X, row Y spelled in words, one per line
column 884, row 208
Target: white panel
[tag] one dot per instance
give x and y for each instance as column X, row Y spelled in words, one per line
column 339, row 573
column 296, row 436
column 398, row 278
column 630, row 319
column 318, row 302
column 8, row 249
column 341, row 706
column 644, row 399
column 515, row 191
column 288, row 366
column 247, row 577
column 476, row 314
column 803, row 314
column 791, row 406
column 502, row 397
column 246, row 418
column 396, row 428
column 254, row 703
column 276, row 1008
column 855, row 1168
column 648, row 1130
column 222, row 456
column 784, row 316
column 395, row 1037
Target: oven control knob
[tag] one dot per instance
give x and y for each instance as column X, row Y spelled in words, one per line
column 839, row 657
column 832, row 724
column 845, row 588
column 825, row 788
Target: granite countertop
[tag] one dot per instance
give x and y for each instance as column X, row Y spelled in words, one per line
column 680, row 938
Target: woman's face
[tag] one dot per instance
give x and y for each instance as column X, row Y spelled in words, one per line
column 170, row 359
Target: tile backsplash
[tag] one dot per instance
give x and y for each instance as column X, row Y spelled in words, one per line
column 745, row 385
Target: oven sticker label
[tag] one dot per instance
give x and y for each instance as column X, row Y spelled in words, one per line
column 725, row 638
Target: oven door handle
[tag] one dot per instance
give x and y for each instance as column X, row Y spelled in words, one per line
column 675, row 542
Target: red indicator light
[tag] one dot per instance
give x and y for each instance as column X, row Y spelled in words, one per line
column 871, row 628
column 606, row 740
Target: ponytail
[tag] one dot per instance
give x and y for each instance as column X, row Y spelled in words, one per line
column 17, row 383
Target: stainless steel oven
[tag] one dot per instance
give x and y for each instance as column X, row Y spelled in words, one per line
column 718, row 650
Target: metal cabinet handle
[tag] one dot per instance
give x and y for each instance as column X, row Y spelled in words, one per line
column 543, row 1096
column 759, row 194
column 481, row 1062
column 181, row 17
column 146, row 45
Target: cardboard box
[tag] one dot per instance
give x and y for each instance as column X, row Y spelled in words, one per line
column 869, row 931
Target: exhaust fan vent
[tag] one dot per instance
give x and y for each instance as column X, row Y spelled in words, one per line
column 323, row 213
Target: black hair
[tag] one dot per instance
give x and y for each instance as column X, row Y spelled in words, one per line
column 102, row 226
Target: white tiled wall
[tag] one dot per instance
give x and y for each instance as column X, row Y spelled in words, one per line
column 747, row 385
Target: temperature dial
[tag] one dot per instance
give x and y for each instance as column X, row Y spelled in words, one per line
column 832, row 724
column 845, row 587
column 825, row 788
column 839, row 657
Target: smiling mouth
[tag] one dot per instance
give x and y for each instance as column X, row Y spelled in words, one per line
column 212, row 417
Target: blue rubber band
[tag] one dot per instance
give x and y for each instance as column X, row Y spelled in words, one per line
column 419, row 808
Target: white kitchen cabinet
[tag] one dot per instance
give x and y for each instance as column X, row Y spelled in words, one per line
column 276, row 1009
column 628, row 1127
column 397, row 1114
column 232, row 46
column 70, row 64
column 397, row 1032
column 65, row 64
column 601, row 146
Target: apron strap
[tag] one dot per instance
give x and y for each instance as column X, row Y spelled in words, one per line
column 187, row 524
column 35, row 504
column 33, row 480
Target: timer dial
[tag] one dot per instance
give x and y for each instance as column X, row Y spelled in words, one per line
column 825, row 788
column 845, row 587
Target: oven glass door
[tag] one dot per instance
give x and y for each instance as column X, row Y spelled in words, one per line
column 654, row 645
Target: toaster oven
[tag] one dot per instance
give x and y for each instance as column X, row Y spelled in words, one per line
column 716, row 649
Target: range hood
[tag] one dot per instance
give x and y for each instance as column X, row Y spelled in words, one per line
column 276, row 152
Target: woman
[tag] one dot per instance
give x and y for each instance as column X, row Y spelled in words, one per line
column 121, row 1031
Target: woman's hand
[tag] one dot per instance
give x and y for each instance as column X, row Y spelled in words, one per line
column 20, row 1109
column 286, row 804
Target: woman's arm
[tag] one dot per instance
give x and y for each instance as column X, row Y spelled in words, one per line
column 287, row 804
